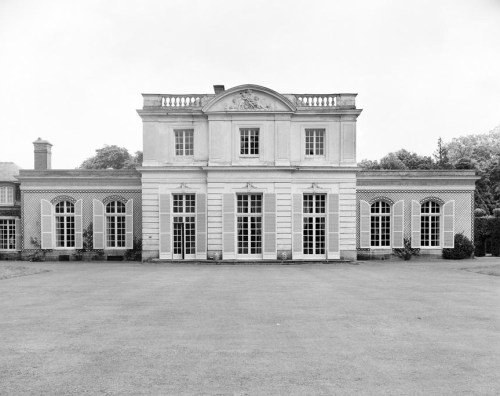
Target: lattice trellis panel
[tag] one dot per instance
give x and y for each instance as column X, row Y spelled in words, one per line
column 31, row 209
column 464, row 207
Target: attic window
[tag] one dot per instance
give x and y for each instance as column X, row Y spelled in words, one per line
column 6, row 195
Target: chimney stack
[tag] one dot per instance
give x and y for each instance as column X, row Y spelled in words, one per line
column 218, row 89
column 43, row 155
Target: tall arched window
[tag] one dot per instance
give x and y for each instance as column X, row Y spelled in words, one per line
column 380, row 224
column 65, row 224
column 430, row 220
column 115, row 224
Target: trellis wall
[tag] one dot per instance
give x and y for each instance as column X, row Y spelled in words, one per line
column 464, row 206
column 31, row 208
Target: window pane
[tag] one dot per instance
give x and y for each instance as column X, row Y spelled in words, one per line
column 249, row 141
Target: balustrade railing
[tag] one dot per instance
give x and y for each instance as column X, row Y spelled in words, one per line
column 182, row 100
column 316, row 100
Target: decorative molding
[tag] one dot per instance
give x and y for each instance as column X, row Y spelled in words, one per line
column 381, row 198
column 249, row 186
column 435, row 199
column 358, row 191
column 112, row 198
column 81, row 191
column 348, row 117
column 61, row 198
column 247, row 101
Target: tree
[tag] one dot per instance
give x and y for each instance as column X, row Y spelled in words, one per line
column 441, row 156
column 482, row 153
column 392, row 162
column 112, row 157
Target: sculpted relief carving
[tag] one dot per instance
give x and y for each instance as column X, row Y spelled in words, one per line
column 247, row 101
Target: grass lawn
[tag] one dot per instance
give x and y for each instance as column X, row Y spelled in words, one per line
column 378, row 328
column 13, row 271
column 493, row 269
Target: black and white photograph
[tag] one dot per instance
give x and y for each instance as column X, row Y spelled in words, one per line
column 249, row 197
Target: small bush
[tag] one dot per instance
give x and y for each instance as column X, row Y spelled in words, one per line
column 136, row 252
column 463, row 248
column 407, row 252
column 479, row 212
column 496, row 212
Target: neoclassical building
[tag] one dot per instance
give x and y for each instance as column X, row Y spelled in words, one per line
column 245, row 174
column 249, row 173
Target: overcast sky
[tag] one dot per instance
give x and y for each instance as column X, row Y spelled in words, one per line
column 72, row 72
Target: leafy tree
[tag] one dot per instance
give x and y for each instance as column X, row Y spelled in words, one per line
column 392, row 162
column 441, row 156
column 369, row 164
column 112, row 157
column 482, row 153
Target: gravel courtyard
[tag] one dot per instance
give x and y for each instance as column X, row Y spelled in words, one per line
column 377, row 328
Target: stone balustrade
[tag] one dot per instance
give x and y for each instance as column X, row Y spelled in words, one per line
column 325, row 100
column 302, row 101
column 186, row 101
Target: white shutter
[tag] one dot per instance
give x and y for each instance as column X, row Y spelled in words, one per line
column 201, row 226
column 47, row 222
column 165, row 236
column 333, row 227
column 270, row 251
column 228, row 226
column 98, row 219
column 78, row 225
column 449, row 225
column 364, row 225
column 398, row 229
column 415, row 224
column 297, row 251
column 129, row 224
column 17, row 224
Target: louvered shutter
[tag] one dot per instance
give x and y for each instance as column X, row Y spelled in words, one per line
column 270, row 251
column 98, row 219
column 228, row 226
column 333, row 227
column 78, row 225
column 398, row 225
column 47, row 221
column 297, row 252
column 17, row 224
column 129, row 224
column 201, row 226
column 415, row 224
column 165, row 227
column 364, row 224
column 449, row 225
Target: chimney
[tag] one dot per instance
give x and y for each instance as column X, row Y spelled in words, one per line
column 218, row 89
column 43, row 155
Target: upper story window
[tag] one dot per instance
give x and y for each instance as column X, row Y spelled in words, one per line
column 6, row 195
column 380, row 224
column 430, row 219
column 65, row 224
column 249, row 141
column 315, row 142
column 184, row 142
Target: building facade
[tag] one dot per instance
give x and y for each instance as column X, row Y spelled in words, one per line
column 245, row 174
column 60, row 206
column 249, row 173
column 10, row 211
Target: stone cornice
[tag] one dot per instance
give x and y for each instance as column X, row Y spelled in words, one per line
column 259, row 168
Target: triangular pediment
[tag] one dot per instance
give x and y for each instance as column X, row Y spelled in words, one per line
column 249, row 98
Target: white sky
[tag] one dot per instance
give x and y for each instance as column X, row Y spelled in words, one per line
column 72, row 72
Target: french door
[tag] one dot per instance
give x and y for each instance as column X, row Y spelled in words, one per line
column 249, row 225
column 314, row 226
column 184, row 226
